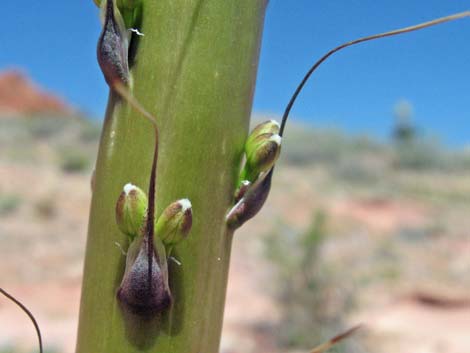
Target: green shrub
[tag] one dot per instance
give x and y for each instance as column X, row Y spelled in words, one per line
column 312, row 306
column 45, row 207
column 9, row 203
column 73, row 161
column 45, row 127
column 90, row 132
column 11, row 349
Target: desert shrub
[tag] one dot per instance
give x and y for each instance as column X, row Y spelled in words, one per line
column 46, row 127
column 12, row 130
column 418, row 151
column 404, row 130
column 7, row 349
column 10, row 349
column 45, row 207
column 90, row 131
column 358, row 171
column 9, row 203
column 73, row 161
column 312, row 303
column 420, row 154
column 307, row 145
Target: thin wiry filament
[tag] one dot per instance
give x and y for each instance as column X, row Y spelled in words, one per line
column 361, row 40
column 27, row 312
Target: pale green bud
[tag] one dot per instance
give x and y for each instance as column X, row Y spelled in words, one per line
column 267, row 127
column 175, row 222
column 261, row 154
column 131, row 208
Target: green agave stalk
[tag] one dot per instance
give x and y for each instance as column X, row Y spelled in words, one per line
column 195, row 70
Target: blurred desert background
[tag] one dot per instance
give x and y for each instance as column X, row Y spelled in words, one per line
column 355, row 230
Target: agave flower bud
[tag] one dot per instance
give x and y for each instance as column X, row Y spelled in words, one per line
column 144, row 288
column 251, row 202
column 261, row 154
column 113, row 46
column 175, row 222
column 267, row 127
column 131, row 209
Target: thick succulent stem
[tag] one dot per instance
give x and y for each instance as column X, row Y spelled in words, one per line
column 195, row 71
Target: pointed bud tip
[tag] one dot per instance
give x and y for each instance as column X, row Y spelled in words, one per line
column 185, row 204
column 276, row 138
column 128, row 188
column 274, row 122
column 267, row 126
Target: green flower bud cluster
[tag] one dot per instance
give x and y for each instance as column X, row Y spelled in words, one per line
column 144, row 289
column 262, row 149
column 171, row 227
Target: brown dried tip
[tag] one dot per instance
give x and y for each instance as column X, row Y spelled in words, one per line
column 327, row 345
column 112, row 48
column 144, row 290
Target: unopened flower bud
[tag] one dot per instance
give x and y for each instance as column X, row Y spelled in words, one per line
column 144, row 288
column 131, row 210
column 267, row 127
column 251, row 202
column 113, row 45
column 175, row 222
column 261, row 154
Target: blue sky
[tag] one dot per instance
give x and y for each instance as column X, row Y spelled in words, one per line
column 54, row 42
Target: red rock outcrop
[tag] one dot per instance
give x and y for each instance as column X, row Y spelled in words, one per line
column 19, row 96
